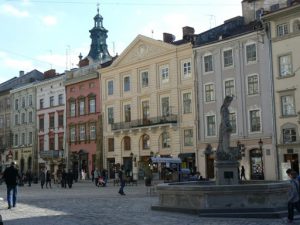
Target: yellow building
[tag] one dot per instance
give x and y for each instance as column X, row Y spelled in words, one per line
column 148, row 96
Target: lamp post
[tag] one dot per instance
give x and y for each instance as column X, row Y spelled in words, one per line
column 260, row 144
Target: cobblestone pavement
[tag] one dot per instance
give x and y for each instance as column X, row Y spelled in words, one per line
column 86, row 204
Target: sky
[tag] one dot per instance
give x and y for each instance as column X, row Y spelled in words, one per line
column 50, row 34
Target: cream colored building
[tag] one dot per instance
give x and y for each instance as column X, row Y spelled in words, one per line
column 148, row 97
column 283, row 27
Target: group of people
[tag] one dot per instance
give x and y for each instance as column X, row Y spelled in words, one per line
column 293, row 194
column 99, row 177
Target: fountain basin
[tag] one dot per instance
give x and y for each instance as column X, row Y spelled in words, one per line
column 248, row 199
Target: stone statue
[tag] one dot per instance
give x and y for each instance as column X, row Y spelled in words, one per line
column 224, row 150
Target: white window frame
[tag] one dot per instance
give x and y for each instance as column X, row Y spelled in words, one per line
column 72, row 108
column 206, row 125
column 82, row 135
column 290, row 135
column 142, row 73
column 92, row 105
column 165, row 140
column 213, row 97
column 186, row 68
column 232, row 59
column 110, row 87
column 224, row 83
column 282, row 104
column 162, row 108
column 164, row 74
column 126, row 86
column 110, row 118
column 282, row 29
column 236, row 126
column 249, row 120
column 212, row 63
column 92, row 132
column 125, row 107
column 188, row 136
column 81, row 107
column 248, row 61
column 285, row 70
column 258, row 89
column 189, row 106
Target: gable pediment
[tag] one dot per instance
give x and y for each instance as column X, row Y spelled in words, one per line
column 143, row 48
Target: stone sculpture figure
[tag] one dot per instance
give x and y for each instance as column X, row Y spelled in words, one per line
column 225, row 129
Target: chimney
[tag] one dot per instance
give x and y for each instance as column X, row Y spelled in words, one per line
column 49, row 73
column 21, row 73
column 168, row 38
column 188, row 33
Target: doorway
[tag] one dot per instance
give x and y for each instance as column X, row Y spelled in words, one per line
column 293, row 160
column 256, row 164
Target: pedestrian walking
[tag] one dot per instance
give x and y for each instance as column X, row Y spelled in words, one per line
column 48, row 179
column 11, row 176
column 42, row 178
column 70, row 178
column 92, row 174
column 243, row 173
column 293, row 195
column 122, row 180
column 104, row 174
column 29, row 177
column 64, row 179
column 96, row 176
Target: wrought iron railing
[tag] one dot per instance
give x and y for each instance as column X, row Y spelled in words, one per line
column 170, row 119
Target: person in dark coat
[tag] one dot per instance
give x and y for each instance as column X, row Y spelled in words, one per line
column 64, row 179
column 29, row 177
column 48, row 179
column 42, row 178
column 122, row 180
column 70, row 178
column 11, row 176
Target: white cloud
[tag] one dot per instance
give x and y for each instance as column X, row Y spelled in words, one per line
column 25, row 65
column 49, row 20
column 13, row 11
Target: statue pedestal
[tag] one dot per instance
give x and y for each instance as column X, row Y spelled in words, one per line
column 226, row 172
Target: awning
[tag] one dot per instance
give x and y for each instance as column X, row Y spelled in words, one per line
column 186, row 155
column 165, row 160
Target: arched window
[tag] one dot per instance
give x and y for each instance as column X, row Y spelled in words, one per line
column 127, row 143
column 146, row 141
column 165, row 140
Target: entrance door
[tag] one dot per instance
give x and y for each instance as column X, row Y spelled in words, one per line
column 111, row 168
column 257, row 167
column 293, row 159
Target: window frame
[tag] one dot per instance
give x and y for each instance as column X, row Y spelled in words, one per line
column 225, row 65
column 231, row 88
column 208, row 131
column 211, row 91
column 250, row 120
column 208, row 67
column 126, row 84
column 188, row 137
column 253, row 83
column 250, row 60
column 281, row 66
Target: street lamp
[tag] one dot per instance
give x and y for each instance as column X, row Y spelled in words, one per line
column 260, row 144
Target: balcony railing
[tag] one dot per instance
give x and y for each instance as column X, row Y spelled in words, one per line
column 170, row 119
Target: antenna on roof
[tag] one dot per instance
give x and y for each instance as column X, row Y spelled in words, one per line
column 98, row 4
column 152, row 32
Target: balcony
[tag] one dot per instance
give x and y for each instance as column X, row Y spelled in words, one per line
column 154, row 121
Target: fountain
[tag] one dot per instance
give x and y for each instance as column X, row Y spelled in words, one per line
column 227, row 196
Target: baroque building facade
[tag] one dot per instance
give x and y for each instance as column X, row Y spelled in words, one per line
column 148, row 98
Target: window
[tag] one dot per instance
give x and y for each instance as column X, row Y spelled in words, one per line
column 16, row 119
column 23, row 102
column 16, row 140
column 188, row 137
column 81, row 107
column 285, row 65
column 110, row 87
column 72, row 109
column 41, row 143
column 60, row 99
column 30, row 117
column 82, row 132
column 208, row 63
column 110, row 115
column 145, row 111
column 51, row 143
column 16, row 104
column 111, row 144
column 164, row 73
column 232, row 120
column 165, row 106
column 144, row 79
column 92, row 105
column 51, row 120
column 165, row 140
column 255, row 121
column 92, row 131
column 127, row 110
column 289, row 135
column 187, row 103
column 60, row 120
column 91, row 85
column 41, row 123
column 30, row 138
column 253, row 85
column 211, row 125
column 23, row 118
column 127, row 143
column 209, row 92
column 30, row 100
column 251, row 53
column 229, row 88
column 23, row 139
column 282, row 29
column 126, row 84
column 60, row 142
column 146, row 141
column 287, row 105
column 51, row 101
column 72, row 134
column 41, row 103
column 228, row 58
column 187, row 69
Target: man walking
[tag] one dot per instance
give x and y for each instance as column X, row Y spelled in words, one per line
column 122, row 180
column 11, row 176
